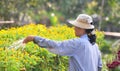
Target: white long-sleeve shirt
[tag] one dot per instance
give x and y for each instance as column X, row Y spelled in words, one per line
column 83, row 55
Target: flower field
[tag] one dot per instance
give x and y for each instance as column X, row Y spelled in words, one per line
column 34, row 58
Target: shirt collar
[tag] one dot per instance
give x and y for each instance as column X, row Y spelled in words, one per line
column 84, row 36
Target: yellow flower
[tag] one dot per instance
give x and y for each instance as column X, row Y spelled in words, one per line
column 7, row 37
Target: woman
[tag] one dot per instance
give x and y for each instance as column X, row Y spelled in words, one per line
column 83, row 51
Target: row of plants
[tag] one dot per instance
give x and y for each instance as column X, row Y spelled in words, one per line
column 34, row 58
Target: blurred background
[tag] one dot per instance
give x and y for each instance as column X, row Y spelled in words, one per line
column 106, row 13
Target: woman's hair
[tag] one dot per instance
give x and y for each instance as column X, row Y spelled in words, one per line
column 91, row 36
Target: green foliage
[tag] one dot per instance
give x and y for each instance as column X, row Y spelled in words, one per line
column 38, row 10
column 34, row 58
column 53, row 19
column 103, row 44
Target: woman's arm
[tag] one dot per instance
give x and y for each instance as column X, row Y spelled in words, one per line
column 66, row 48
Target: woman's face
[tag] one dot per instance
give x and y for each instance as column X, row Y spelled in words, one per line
column 79, row 31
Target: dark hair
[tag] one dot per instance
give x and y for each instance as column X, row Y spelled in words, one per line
column 91, row 36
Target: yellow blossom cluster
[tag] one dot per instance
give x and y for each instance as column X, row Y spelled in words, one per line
column 32, row 55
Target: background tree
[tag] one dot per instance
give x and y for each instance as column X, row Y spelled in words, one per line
column 105, row 12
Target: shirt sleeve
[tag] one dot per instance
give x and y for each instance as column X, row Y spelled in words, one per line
column 99, row 60
column 65, row 48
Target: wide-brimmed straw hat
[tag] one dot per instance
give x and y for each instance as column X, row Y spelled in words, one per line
column 83, row 21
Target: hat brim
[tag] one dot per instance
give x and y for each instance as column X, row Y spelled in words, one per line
column 80, row 25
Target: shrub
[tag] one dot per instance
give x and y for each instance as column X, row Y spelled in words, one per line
column 34, row 58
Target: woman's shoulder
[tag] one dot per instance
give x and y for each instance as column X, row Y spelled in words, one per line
column 80, row 41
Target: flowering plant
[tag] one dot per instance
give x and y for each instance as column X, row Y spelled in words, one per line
column 115, row 64
column 33, row 58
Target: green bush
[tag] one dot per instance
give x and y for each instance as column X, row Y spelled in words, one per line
column 34, row 58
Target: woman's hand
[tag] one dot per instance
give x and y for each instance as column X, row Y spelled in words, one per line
column 28, row 39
